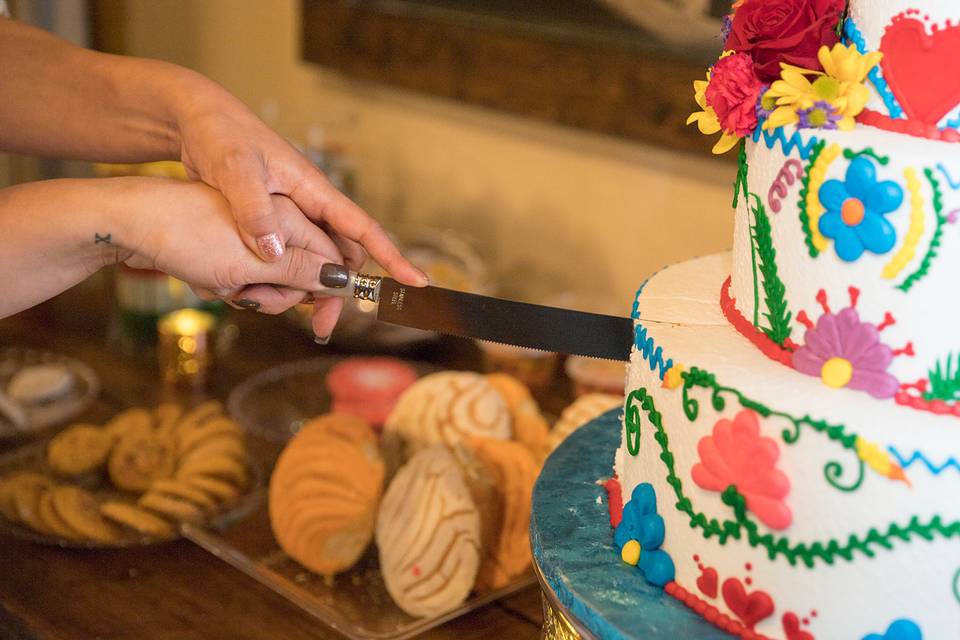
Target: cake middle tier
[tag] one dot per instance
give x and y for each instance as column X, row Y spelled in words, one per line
column 846, row 255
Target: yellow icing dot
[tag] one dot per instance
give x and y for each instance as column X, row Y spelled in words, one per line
column 836, row 372
column 631, row 552
column 673, row 378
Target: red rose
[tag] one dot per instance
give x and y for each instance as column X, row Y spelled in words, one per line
column 791, row 31
column 733, row 93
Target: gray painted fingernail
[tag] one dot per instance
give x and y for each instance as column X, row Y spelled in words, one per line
column 249, row 305
column 270, row 245
column 334, row 276
column 322, row 341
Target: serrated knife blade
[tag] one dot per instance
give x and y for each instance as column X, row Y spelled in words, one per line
column 470, row 315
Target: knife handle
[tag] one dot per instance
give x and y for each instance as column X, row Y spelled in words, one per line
column 360, row 286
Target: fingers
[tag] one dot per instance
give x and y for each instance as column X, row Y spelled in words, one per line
column 300, row 231
column 326, row 312
column 354, row 255
column 266, row 298
column 321, row 201
column 244, row 185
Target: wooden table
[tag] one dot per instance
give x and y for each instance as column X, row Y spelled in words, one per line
column 176, row 591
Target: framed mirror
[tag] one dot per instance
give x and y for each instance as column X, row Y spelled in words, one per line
column 616, row 67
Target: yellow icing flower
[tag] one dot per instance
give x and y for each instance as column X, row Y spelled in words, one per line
column 707, row 121
column 831, row 98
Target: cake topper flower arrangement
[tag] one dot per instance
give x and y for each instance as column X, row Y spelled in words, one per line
column 782, row 64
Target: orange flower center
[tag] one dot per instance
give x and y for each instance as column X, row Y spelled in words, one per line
column 852, row 211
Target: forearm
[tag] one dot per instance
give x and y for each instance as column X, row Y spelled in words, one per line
column 57, row 99
column 56, row 233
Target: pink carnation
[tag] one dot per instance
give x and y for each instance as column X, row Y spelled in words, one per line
column 733, row 93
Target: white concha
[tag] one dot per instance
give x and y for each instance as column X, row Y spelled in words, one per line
column 428, row 535
column 854, row 465
column 581, row 411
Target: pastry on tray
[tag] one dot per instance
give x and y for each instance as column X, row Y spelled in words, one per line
column 369, row 387
column 153, row 469
column 324, row 493
column 583, row 410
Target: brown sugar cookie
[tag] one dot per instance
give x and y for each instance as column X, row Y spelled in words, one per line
column 514, row 470
column 530, row 428
column 197, row 417
column 139, row 458
column 166, row 416
column 8, row 487
column 324, row 493
column 52, row 520
column 136, row 419
column 26, row 501
column 184, row 491
column 170, row 507
column 79, row 449
column 219, row 490
column 140, row 520
column 221, row 445
column 221, row 466
column 80, row 510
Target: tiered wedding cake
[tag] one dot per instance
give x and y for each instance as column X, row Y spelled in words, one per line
column 790, row 465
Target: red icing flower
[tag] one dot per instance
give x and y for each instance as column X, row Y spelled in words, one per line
column 736, row 454
column 791, row 31
column 733, row 93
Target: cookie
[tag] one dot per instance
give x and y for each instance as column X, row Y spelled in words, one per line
column 221, row 466
column 80, row 511
column 26, row 502
column 530, row 428
column 137, row 519
column 185, row 491
column 324, row 493
column 170, row 507
column 216, row 428
column 132, row 420
column 8, row 488
column 219, row 490
column 444, row 408
column 428, row 535
column 166, row 416
column 79, row 449
column 139, row 458
column 52, row 520
column 583, row 410
column 198, row 416
column 514, row 470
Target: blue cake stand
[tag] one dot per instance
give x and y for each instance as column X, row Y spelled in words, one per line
column 588, row 591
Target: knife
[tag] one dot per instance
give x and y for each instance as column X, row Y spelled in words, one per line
column 470, row 315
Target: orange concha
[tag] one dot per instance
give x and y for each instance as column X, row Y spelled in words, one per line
column 324, row 493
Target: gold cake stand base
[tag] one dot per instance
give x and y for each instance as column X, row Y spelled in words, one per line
column 558, row 623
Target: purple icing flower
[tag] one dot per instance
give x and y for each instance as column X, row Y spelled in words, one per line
column 844, row 351
column 822, row 115
column 764, row 110
column 726, row 23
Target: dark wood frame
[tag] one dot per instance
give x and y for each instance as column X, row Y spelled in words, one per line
column 617, row 90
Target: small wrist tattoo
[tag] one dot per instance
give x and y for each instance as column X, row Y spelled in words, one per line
column 102, row 239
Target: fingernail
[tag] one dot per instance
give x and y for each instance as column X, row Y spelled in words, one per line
column 334, row 276
column 249, row 305
column 270, row 245
column 423, row 277
column 322, row 341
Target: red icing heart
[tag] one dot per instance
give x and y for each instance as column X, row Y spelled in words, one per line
column 792, row 630
column 750, row 608
column 707, row 582
column 919, row 67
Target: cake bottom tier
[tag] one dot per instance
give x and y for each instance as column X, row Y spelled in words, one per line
column 790, row 509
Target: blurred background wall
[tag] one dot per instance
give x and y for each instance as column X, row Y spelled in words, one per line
column 596, row 213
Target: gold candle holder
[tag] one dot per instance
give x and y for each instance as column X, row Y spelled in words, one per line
column 185, row 341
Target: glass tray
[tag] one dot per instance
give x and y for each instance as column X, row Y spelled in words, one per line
column 355, row 603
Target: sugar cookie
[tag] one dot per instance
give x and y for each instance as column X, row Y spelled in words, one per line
column 79, row 449
column 139, row 458
column 138, row 519
column 81, row 512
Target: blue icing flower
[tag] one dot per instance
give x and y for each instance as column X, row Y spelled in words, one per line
column 902, row 629
column 642, row 523
column 855, row 211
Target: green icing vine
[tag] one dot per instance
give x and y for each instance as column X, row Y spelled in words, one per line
column 740, row 187
column 774, row 290
column 935, row 241
column 743, row 527
column 740, row 184
column 850, row 154
column 944, row 380
column 802, row 205
column 833, row 472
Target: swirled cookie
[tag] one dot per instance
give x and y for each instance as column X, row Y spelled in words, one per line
column 428, row 535
column 530, row 428
column 444, row 408
column 324, row 493
column 583, row 410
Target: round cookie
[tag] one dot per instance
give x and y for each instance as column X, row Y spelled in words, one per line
column 80, row 511
column 79, row 449
column 139, row 458
column 428, row 535
column 219, row 490
column 166, row 416
column 185, row 491
column 8, row 488
column 530, row 428
column 583, row 410
column 324, row 493
column 514, row 470
column 189, row 438
column 170, row 507
column 221, row 466
column 445, row 408
column 197, row 417
column 26, row 502
column 131, row 420
column 52, row 520
column 140, row 520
